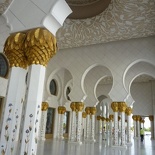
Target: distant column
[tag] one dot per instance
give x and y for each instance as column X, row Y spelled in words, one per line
column 93, row 112
column 128, row 113
column 79, row 107
column 122, row 107
column 73, row 123
column 138, row 125
column 43, row 120
column 114, row 107
column 84, row 115
column 151, row 118
column 135, row 125
column 111, row 118
column 87, row 109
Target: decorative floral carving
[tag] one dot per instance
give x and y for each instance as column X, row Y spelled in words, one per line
column 7, row 132
column 120, row 21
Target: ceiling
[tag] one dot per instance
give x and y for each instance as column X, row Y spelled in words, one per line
column 115, row 20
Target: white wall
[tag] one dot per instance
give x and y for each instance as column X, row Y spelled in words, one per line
column 142, row 94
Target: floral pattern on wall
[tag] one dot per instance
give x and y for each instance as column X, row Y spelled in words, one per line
column 123, row 19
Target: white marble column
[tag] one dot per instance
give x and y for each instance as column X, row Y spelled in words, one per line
column 32, row 114
column 111, row 118
column 79, row 130
column 15, row 92
column 61, row 126
column 58, row 125
column 73, row 122
column 13, row 110
column 138, row 126
column 123, row 129
column 128, row 113
column 115, row 129
column 135, row 129
column 61, row 112
column 151, row 118
column 84, row 115
column 88, row 127
column 87, row 109
column 107, row 121
column 93, row 112
column 114, row 107
column 79, row 108
column 122, row 108
column 38, row 54
column 43, row 121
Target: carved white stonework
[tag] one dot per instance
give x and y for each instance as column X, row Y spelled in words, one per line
column 88, row 127
column 93, row 128
column 73, row 127
column 115, row 129
column 122, row 20
column 128, row 129
column 79, row 129
column 3, row 5
column 122, row 129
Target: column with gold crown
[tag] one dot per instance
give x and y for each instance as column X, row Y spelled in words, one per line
column 128, row 112
column 138, row 125
column 79, row 107
column 122, row 107
column 87, row 109
column 62, row 112
column 42, row 130
column 114, row 106
column 13, row 49
column 39, row 47
column 93, row 112
column 73, row 122
column 151, row 118
column 135, row 125
column 84, row 115
column 111, row 118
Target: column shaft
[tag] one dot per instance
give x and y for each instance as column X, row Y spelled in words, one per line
column 73, row 128
column 13, row 110
column 43, row 125
column 79, row 127
column 122, row 129
column 116, row 128
column 33, row 108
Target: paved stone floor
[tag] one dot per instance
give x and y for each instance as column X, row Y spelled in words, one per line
column 100, row 147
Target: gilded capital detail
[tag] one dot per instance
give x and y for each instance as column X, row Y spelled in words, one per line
column 84, row 115
column 98, row 118
column 61, row 110
column 45, row 106
column 79, row 106
column 111, row 117
column 151, row 118
column 40, row 45
column 72, row 106
column 122, row 106
column 128, row 111
column 13, row 49
column 87, row 109
column 93, row 110
column 114, row 106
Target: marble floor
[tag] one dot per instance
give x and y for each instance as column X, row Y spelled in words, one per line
column 100, row 147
